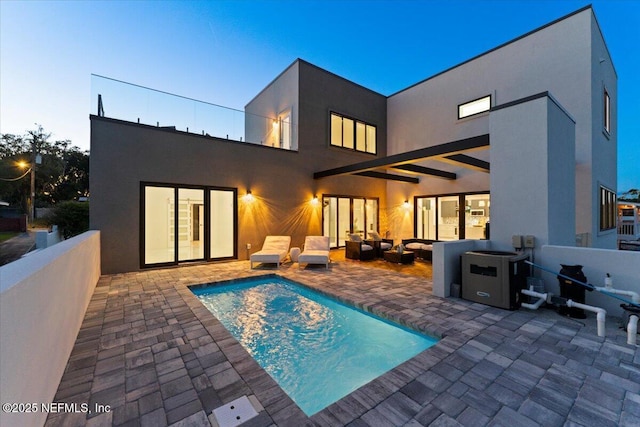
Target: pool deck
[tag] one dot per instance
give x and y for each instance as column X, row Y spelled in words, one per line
column 151, row 351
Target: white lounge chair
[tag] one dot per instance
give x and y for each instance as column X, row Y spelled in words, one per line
column 315, row 251
column 274, row 250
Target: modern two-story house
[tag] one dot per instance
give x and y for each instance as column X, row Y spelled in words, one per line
column 518, row 140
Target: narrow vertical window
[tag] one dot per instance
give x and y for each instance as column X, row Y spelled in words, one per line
column 347, row 132
column 361, row 140
column 336, row 130
column 371, row 139
column 608, row 209
column 607, row 111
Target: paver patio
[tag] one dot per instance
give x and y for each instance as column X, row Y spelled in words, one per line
column 150, row 351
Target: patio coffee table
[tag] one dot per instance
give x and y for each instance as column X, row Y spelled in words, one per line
column 405, row 257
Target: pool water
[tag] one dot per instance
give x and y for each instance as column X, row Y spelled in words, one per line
column 317, row 349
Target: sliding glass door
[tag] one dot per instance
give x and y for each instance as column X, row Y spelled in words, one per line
column 453, row 216
column 187, row 224
column 345, row 215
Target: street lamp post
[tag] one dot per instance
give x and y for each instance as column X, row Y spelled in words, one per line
column 32, row 210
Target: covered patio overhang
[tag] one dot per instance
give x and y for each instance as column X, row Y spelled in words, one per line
column 451, row 152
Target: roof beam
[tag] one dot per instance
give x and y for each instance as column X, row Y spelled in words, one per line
column 391, row 177
column 468, row 161
column 422, row 170
column 449, row 148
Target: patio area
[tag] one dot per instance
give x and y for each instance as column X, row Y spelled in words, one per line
column 150, row 351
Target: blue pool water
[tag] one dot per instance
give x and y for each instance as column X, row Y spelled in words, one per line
column 317, row 349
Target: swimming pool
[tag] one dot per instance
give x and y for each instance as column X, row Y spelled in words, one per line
column 317, row 349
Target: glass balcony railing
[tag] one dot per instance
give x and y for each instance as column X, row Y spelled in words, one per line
column 133, row 103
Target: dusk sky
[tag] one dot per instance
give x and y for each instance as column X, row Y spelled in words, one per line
column 225, row 52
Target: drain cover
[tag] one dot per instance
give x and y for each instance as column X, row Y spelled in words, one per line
column 235, row 413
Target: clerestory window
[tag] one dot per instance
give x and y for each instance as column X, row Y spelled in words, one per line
column 474, row 107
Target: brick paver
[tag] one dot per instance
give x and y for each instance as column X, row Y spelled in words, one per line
column 150, row 352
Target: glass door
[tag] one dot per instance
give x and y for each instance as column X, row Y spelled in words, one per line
column 187, row 224
column 345, row 215
column 426, row 218
column 222, row 220
column 190, row 216
column 476, row 215
column 359, row 226
column 371, row 214
column 344, row 220
column 330, row 215
column 448, row 218
column 159, row 225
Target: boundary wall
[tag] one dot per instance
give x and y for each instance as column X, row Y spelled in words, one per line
column 43, row 300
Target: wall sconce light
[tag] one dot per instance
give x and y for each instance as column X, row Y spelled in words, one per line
column 406, row 205
column 275, row 123
column 248, row 197
column 315, row 201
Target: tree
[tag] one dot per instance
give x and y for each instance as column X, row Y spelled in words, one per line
column 632, row 195
column 62, row 175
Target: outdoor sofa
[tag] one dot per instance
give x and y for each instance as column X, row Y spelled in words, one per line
column 423, row 248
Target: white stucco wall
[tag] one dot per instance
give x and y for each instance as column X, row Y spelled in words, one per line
column 280, row 95
column 559, row 59
column 623, row 266
column 604, row 145
column 533, row 184
column 43, row 299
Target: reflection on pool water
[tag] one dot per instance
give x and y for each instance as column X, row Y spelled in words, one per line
column 317, row 349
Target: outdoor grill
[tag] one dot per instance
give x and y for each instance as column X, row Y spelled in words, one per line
column 494, row 278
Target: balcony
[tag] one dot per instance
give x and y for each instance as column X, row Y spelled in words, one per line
column 120, row 100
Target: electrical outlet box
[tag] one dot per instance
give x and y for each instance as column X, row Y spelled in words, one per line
column 248, row 245
column 516, row 241
column 529, row 241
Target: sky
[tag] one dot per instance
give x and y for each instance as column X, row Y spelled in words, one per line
column 225, row 52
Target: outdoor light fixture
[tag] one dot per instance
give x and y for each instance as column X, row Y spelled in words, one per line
column 406, row 204
column 314, row 201
column 248, row 197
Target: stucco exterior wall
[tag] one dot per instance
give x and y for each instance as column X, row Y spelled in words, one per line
column 124, row 154
column 280, row 95
column 532, row 190
column 556, row 58
column 603, row 145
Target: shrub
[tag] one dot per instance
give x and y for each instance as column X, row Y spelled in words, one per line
column 72, row 218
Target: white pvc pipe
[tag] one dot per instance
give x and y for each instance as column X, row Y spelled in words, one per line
column 635, row 297
column 601, row 314
column 632, row 329
column 541, row 298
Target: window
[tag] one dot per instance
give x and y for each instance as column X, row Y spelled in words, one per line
column 474, row 107
column 607, row 112
column 608, row 208
column 352, row 134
